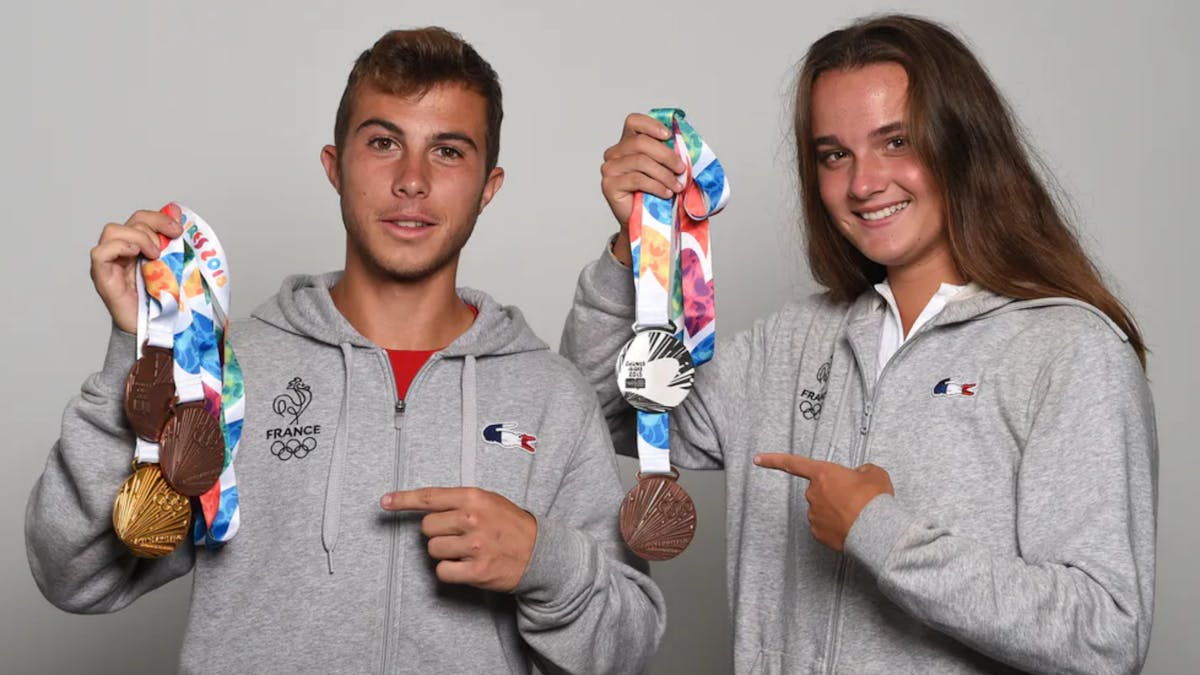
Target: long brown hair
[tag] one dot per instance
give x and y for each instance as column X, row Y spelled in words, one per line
column 1006, row 231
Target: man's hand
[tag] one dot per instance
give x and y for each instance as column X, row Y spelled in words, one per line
column 114, row 261
column 836, row 494
column 639, row 162
column 481, row 538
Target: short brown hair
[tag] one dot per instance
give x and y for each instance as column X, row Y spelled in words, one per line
column 1006, row 230
column 411, row 62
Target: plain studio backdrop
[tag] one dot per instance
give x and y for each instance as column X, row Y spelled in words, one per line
column 224, row 106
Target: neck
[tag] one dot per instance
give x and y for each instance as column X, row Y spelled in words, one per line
column 914, row 285
column 411, row 315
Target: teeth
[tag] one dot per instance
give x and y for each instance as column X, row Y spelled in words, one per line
column 884, row 213
column 410, row 223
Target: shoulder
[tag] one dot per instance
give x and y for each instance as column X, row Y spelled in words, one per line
column 1058, row 332
column 791, row 322
column 553, row 379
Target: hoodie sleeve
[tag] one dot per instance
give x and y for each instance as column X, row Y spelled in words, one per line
column 585, row 603
column 1078, row 594
column 77, row 560
column 598, row 325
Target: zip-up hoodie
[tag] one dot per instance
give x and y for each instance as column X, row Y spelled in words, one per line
column 319, row 578
column 1020, row 441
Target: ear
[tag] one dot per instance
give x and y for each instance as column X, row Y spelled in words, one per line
column 491, row 187
column 329, row 159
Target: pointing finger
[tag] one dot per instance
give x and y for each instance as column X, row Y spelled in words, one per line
column 804, row 467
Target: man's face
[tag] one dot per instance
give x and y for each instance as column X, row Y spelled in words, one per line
column 412, row 179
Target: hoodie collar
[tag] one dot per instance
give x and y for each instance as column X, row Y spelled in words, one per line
column 303, row 306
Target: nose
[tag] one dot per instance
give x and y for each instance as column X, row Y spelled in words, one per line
column 412, row 176
column 868, row 177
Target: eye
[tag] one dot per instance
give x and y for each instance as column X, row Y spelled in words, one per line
column 897, row 143
column 448, row 152
column 831, row 157
column 383, row 143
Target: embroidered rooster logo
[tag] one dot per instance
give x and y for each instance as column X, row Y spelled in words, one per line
column 506, row 436
column 294, row 405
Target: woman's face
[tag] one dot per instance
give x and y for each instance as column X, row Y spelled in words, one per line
column 873, row 184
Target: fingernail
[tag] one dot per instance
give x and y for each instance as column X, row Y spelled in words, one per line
column 386, row 501
column 758, row 460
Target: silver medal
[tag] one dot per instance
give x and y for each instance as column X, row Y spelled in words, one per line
column 654, row 371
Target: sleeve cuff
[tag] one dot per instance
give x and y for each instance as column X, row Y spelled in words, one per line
column 879, row 527
column 122, row 352
column 558, row 563
column 612, row 280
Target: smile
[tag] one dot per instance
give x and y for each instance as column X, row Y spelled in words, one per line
column 409, row 224
column 884, row 212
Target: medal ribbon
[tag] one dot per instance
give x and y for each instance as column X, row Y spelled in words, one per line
column 188, row 289
column 672, row 266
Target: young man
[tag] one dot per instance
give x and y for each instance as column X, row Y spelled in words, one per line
column 410, row 533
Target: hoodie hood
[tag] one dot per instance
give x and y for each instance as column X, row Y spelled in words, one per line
column 976, row 302
column 304, row 307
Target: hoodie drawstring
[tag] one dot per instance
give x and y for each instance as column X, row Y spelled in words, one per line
column 337, row 460
column 469, row 422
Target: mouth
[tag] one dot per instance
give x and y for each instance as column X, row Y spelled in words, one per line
column 885, row 212
column 408, row 224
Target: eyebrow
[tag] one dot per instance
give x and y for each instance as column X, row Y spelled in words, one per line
column 885, row 130
column 440, row 137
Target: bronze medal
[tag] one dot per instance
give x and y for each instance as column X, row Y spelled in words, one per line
column 149, row 392
column 192, row 450
column 658, row 518
column 150, row 517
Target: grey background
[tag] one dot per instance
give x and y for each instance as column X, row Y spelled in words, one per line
column 224, row 106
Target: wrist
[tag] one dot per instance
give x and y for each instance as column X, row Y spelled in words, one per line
column 621, row 250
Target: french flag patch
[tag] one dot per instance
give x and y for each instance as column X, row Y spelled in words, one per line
column 948, row 387
column 506, row 435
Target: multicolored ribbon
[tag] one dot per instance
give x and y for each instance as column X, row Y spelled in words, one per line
column 672, row 266
column 184, row 304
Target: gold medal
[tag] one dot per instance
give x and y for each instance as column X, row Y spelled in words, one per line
column 150, row 517
column 658, row 517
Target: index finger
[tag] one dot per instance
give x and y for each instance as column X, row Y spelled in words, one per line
column 797, row 465
column 637, row 123
column 428, row 499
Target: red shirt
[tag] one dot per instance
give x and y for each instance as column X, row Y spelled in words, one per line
column 407, row 362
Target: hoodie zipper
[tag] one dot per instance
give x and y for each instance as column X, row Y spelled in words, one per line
column 870, row 394
column 398, row 408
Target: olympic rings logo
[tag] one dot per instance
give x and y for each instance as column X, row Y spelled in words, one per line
column 293, row 447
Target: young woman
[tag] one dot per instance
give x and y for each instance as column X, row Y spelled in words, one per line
column 946, row 462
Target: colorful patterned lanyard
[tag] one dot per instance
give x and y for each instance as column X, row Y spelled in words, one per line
column 184, row 303
column 674, row 329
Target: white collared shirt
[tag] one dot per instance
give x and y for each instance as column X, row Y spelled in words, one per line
column 892, row 334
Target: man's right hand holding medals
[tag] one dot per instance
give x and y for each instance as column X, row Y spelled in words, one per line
column 114, row 261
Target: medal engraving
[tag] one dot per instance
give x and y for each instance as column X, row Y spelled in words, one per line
column 192, row 450
column 654, row 371
column 149, row 517
column 658, row 518
column 149, row 392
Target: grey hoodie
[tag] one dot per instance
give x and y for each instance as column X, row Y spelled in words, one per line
column 1022, row 530
column 319, row 578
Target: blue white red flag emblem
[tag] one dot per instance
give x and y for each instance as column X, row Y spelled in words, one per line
column 506, row 435
column 948, row 387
